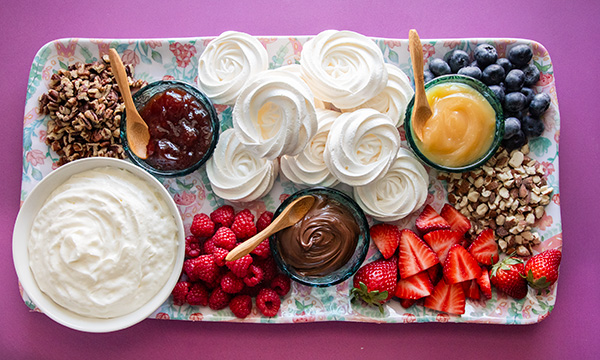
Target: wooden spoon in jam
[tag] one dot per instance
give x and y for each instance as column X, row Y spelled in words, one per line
column 138, row 135
column 421, row 111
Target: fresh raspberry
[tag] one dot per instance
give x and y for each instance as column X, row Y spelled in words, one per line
column 216, row 282
column 243, row 225
column 225, row 238
column 220, row 255
column 203, row 267
column 208, row 247
column 240, row 266
column 268, row 302
column 241, row 306
column 254, row 277
column 202, row 226
column 263, row 250
column 264, row 220
column 198, row 295
column 269, row 268
column 223, row 216
column 281, row 284
column 192, row 247
column 218, row 299
column 180, row 292
column 231, row 284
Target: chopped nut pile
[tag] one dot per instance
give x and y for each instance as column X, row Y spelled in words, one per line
column 85, row 108
column 508, row 194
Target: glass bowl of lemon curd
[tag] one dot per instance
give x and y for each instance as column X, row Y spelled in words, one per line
column 466, row 128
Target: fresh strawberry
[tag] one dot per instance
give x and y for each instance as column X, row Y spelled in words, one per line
column 201, row 268
column 430, row 220
column 268, row 302
column 243, row 225
column 224, row 238
column 508, row 276
column 202, row 226
column 406, row 303
column 375, row 282
column 447, row 298
column 441, row 241
column 414, row 287
column 241, row 306
column 240, row 266
column 254, row 276
column 281, row 284
column 198, row 295
column 223, row 216
column 471, row 289
column 218, row 299
column 386, row 237
column 485, row 249
column 435, row 273
column 180, row 292
column 542, row 269
column 460, row 266
column 458, row 222
column 415, row 255
column 231, row 284
column 484, row 283
column 264, row 220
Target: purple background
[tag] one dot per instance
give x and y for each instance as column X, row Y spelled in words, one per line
column 568, row 29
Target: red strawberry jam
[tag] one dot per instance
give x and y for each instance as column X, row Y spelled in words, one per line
column 180, row 130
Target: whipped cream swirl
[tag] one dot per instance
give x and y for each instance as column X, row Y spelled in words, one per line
column 308, row 167
column 237, row 174
column 296, row 69
column 343, row 67
column 402, row 190
column 275, row 114
column 227, row 63
column 361, row 146
column 394, row 98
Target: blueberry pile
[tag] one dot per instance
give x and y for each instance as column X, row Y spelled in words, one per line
column 510, row 78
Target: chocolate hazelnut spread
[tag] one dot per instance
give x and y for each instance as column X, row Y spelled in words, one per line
column 323, row 241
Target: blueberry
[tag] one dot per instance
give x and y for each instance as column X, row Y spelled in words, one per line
column 475, row 64
column 428, row 75
column 505, row 63
column 529, row 93
column 516, row 114
column 515, row 142
column 472, row 71
column 499, row 91
column 512, row 126
column 458, row 60
column 520, row 55
column 514, row 80
column 493, row 74
column 515, row 102
column 439, row 67
column 539, row 104
column 532, row 74
column 485, row 54
column 532, row 126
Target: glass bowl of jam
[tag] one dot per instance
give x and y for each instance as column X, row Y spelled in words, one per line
column 183, row 126
column 328, row 245
column 466, row 128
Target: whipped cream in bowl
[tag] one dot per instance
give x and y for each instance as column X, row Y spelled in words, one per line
column 98, row 244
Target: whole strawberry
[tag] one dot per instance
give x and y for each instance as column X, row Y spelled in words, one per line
column 541, row 270
column 508, row 276
column 375, row 282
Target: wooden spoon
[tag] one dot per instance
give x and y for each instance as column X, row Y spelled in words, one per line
column 293, row 213
column 138, row 136
column 421, row 110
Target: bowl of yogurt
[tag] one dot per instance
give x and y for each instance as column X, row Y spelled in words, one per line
column 98, row 245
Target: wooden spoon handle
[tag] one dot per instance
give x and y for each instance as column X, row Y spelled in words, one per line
column 247, row 246
column 118, row 70
column 416, row 53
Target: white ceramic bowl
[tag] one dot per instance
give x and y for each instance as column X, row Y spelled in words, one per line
column 27, row 214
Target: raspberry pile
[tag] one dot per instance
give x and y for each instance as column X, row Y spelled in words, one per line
column 208, row 280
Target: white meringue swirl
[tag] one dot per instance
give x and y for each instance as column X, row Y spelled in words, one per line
column 394, row 98
column 402, row 190
column 236, row 174
column 227, row 63
column 361, row 146
column 343, row 67
column 308, row 167
column 275, row 114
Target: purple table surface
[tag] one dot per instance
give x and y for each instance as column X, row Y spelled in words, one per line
column 568, row 29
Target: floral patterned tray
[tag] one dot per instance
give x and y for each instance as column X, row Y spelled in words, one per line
column 177, row 59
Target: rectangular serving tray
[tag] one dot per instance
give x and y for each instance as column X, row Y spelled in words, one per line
column 156, row 59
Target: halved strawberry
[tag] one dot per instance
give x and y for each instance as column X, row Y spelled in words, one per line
column 484, row 283
column 414, row 287
column 406, row 303
column 386, row 237
column 471, row 289
column 430, row 220
column 441, row 241
column 460, row 266
column 485, row 249
column 447, row 298
column 458, row 222
column 435, row 273
column 415, row 256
